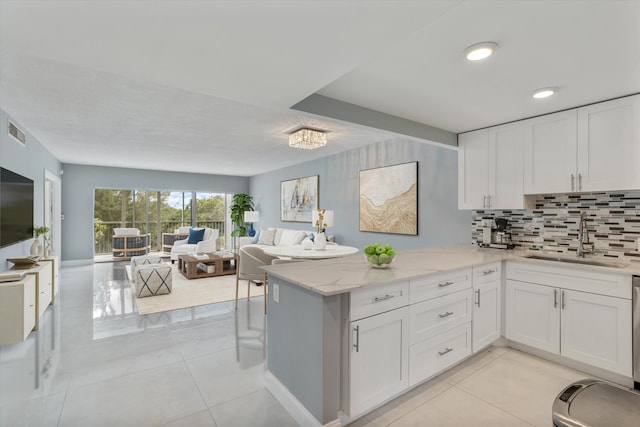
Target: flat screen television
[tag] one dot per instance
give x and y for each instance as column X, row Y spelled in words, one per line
column 16, row 208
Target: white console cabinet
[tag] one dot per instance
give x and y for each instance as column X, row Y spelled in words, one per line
column 17, row 309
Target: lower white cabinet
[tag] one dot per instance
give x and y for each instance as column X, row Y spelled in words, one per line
column 590, row 328
column 431, row 356
column 486, row 325
column 378, row 362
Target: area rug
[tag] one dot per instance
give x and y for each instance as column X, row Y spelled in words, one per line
column 187, row 293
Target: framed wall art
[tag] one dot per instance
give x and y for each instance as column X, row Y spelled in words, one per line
column 298, row 198
column 389, row 199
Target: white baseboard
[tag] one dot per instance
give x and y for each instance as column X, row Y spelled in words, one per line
column 76, row 262
column 293, row 406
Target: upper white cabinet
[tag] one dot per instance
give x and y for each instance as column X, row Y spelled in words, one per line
column 550, row 146
column 609, row 145
column 593, row 148
column 490, row 168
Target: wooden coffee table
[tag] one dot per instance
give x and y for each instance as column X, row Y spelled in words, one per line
column 225, row 264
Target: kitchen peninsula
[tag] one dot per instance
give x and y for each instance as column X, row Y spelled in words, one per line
column 332, row 323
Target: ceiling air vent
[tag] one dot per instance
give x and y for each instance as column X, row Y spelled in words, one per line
column 15, row 132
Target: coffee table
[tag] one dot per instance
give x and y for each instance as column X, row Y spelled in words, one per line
column 224, row 264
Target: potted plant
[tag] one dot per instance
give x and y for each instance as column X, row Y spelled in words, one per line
column 36, row 247
column 241, row 202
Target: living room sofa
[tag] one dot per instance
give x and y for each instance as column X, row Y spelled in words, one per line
column 206, row 245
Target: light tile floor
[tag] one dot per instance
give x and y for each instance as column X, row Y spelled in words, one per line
column 95, row 362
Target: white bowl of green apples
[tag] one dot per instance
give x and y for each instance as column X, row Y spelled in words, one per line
column 379, row 256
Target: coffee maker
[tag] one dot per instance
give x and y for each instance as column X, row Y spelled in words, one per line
column 497, row 237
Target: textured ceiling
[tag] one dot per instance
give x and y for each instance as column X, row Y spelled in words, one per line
column 206, row 86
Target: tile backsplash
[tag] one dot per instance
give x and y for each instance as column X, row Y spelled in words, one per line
column 613, row 221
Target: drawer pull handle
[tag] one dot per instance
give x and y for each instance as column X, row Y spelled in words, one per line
column 384, row 298
column 356, row 344
column 448, row 350
column 447, row 283
column 447, row 314
column 555, row 298
column 478, row 299
column 30, row 305
column 487, row 272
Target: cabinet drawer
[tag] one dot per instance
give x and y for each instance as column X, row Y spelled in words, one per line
column 574, row 277
column 440, row 284
column 378, row 299
column 429, row 357
column 486, row 273
column 29, row 319
column 435, row 316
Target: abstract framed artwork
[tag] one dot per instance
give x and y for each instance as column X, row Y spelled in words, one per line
column 389, row 199
column 298, row 198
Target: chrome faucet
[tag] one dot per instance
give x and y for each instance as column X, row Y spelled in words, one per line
column 583, row 237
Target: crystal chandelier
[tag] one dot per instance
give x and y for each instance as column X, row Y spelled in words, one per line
column 308, row 139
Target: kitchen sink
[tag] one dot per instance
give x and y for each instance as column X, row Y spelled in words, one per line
column 584, row 261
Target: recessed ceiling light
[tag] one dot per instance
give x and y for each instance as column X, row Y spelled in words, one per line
column 480, row 51
column 544, row 92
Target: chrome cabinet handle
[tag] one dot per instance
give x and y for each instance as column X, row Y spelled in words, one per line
column 447, row 314
column 487, row 272
column 384, row 298
column 555, row 298
column 573, row 182
column 579, row 182
column 447, row 350
column 562, row 299
column 356, row 344
column 447, row 283
column 484, row 201
column 478, row 297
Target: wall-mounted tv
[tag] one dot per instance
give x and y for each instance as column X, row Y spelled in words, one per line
column 16, row 208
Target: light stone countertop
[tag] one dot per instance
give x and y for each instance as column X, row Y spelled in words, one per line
column 335, row 276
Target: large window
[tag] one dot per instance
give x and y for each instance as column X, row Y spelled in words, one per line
column 154, row 212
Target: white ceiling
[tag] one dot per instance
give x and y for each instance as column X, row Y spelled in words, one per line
column 149, row 84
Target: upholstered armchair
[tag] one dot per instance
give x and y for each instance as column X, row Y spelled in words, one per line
column 250, row 259
column 206, row 245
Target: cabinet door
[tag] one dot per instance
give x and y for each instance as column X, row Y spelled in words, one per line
column 505, row 167
column 378, row 362
column 486, row 314
column 473, row 170
column 45, row 288
column 609, row 145
column 596, row 329
column 533, row 315
column 550, row 147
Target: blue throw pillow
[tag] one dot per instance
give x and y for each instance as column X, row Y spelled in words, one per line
column 256, row 237
column 195, row 235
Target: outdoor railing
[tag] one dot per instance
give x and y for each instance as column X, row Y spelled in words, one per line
column 103, row 232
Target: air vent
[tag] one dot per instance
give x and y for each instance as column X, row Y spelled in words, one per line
column 15, row 132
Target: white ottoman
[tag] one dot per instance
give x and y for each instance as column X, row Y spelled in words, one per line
column 152, row 279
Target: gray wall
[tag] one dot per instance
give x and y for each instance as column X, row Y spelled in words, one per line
column 30, row 161
column 79, row 181
column 440, row 222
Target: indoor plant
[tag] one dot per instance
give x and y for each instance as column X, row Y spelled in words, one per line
column 241, row 203
column 36, row 247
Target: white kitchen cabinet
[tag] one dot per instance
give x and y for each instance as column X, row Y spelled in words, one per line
column 590, row 328
column 596, row 329
column 486, row 314
column 550, row 147
column 379, row 361
column 592, row 148
column 17, row 309
column 532, row 316
column 609, row 145
column 490, row 168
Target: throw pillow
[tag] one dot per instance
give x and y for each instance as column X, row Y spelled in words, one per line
column 266, row 237
column 256, row 238
column 278, row 236
column 195, row 235
column 291, row 237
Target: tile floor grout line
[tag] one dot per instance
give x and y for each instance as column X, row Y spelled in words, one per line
column 494, row 406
